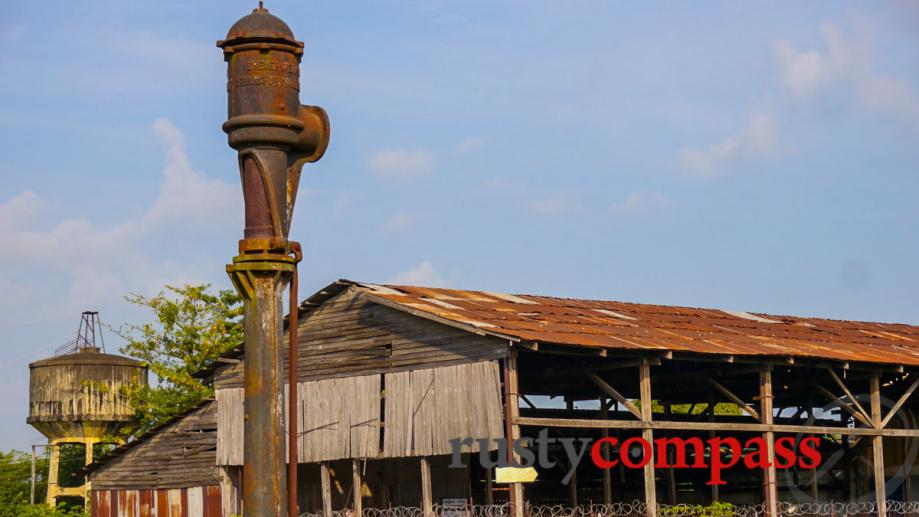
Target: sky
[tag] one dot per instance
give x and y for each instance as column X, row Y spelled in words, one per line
column 746, row 156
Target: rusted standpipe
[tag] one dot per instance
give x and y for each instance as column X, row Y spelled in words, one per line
column 275, row 136
column 292, row 382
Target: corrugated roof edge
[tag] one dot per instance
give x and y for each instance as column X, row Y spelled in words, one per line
column 369, row 290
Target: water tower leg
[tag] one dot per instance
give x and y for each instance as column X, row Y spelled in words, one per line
column 32, row 484
column 53, row 465
column 88, row 444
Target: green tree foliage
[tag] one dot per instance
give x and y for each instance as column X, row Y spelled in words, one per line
column 15, row 487
column 192, row 326
column 716, row 509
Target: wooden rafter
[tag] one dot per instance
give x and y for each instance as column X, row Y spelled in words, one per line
column 734, row 398
column 848, row 408
column 896, row 407
column 615, row 394
column 848, row 393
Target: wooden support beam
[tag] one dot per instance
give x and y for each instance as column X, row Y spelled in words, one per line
column 716, row 495
column 682, row 377
column 615, row 394
column 848, row 393
column 734, row 398
column 357, row 484
column 815, row 486
column 648, row 435
column 427, row 502
column 671, row 476
column 573, row 487
column 877, row 447
column 604, row 451
column 512, row 429
column 770, row 484
column 848, row 408
column 326, row 489
column 592, row 365
column 587, row 423
column 489, row 486
column 896, row 407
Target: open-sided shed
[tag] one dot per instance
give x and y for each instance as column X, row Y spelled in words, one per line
column 390, row 375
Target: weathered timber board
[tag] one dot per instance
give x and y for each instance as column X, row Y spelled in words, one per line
column 340, row 417
column 181, row 455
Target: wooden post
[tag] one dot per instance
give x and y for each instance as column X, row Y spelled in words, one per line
column 815, row 482
column 356, row 486
column 848, row 478
column 326, row 489
column 427, row 504
column 573, row 488
column 512, row 430
column 716, row 495
column 648, row 435
column 770, row 486
column 607, row 475
column 877, row 446
column 489, row 486
column 671, row 476
column 32, row 486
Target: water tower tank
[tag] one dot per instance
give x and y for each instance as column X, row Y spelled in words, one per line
column 79, row 397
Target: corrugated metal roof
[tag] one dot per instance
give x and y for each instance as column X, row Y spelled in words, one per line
column 644, row 327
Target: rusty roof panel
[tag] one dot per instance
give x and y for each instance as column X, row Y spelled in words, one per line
column 632, row 326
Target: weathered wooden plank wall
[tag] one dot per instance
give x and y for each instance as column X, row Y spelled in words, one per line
column 180, row 455
column 425, row 409
column 168, row 502
column 350, row 335
column 340, row 417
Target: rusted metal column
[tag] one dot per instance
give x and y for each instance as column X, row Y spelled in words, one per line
column 275, row 136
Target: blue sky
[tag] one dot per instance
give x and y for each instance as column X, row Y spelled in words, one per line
column 751, row 156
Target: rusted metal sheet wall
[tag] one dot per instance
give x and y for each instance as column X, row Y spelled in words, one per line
column 173, row 502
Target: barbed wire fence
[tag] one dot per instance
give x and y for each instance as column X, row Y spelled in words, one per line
column 639, row 509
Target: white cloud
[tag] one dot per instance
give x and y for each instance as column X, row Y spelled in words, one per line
column 843, row 63
column 101, row 262
column 343, row 203
column 555, row 205
column 756, row 140
column 469, row 145
column 401, row 165
column 397, row 223
column 641, row 204
column 846, row 60
column 186, row 196
column 423, row 274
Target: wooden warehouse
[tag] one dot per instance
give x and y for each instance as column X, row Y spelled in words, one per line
column 389, row 375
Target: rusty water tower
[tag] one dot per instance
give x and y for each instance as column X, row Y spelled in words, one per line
column 77, row 397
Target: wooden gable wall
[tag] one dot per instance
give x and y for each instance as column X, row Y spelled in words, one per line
column 351, row 335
